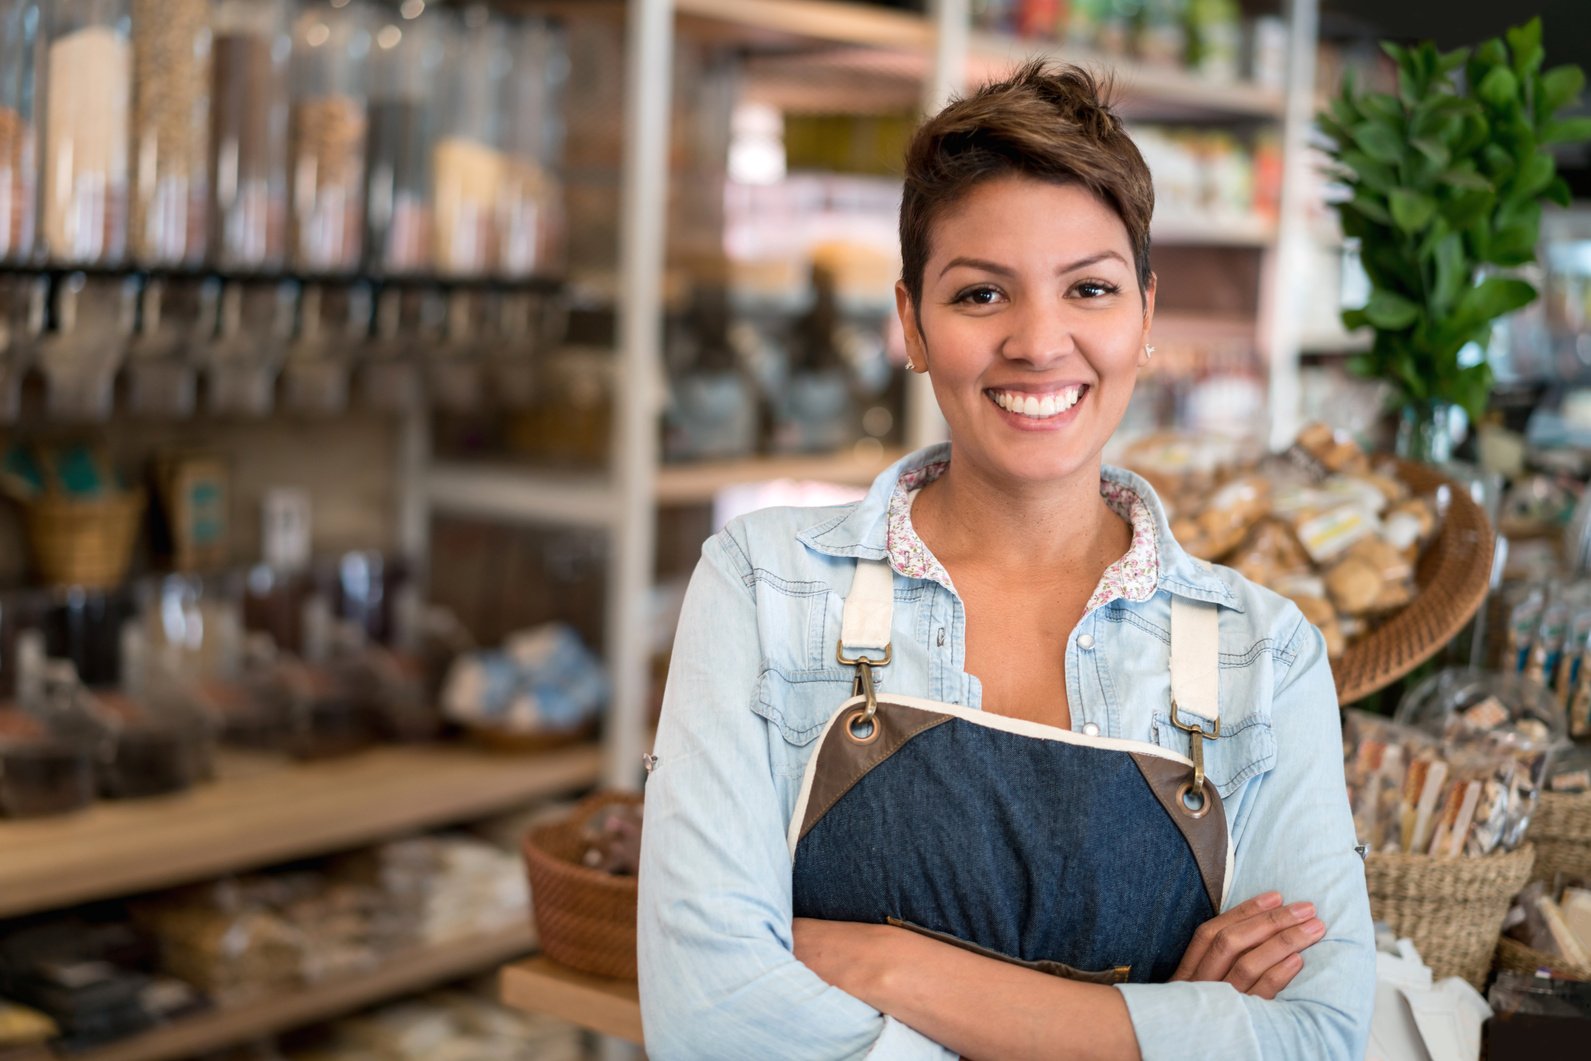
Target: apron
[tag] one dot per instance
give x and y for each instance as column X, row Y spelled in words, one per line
column 1093, row 858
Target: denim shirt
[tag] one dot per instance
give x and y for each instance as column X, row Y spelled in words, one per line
column 754, row 678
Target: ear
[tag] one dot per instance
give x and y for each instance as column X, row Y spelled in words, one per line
column 1149, row 317
column 915, row 349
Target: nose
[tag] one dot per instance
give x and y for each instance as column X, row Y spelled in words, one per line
column 1040, row 333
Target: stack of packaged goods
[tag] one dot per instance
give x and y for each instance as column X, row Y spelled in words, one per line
column 441, row 888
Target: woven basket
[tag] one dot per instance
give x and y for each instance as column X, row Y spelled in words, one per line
column 1452, row 908
column 1452, row 578
column 1514, row 956
column 1561, row 831
column 585, row 918
column 83, row 542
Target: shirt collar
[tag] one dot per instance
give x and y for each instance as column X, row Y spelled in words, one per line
column 862, row 531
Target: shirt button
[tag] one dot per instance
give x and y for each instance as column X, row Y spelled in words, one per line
column 1085, row 641
column 1090, row 730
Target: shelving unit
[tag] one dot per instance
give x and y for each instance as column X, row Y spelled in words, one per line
column 263, row 811
column 398, row 975
column 608, row 1007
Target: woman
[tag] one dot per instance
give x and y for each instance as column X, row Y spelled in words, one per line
column 985, row 764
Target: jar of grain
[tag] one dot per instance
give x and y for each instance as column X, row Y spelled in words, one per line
column 248, row 133
column 170, row 131
column 331, row 43
column 530, row 214
column 467, row 158
column 405, row 62
column 87, row 119
column 20, row 43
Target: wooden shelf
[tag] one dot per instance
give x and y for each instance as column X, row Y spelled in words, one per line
column 684, row 484
column 1229, row 232
column 608, row 1007
column 773, row 24
column 522, row 495
column 398, row 975
column 261, row 812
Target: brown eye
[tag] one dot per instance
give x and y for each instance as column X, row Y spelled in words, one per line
column 1096, row 289
column 979, row 296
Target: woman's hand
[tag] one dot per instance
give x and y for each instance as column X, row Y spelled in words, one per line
column 1256, row 946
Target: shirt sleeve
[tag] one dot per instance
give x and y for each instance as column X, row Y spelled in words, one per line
column 1297, row 838
column 718, row 978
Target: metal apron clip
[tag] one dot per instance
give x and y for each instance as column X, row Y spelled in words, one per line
column 1195, row 688
column 869, row 611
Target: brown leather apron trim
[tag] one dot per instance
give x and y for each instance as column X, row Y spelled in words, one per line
column 1115, row 975
column 841, row 762
column 1206, row 835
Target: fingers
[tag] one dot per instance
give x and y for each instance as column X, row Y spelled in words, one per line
column 1231, row 941
column 1207, row 931
column 1257, row 964
column 1277, row 977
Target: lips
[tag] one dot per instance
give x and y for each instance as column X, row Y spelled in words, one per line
column 1039, row 405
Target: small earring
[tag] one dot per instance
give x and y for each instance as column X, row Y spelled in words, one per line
column 1149, row 351
column 911, row 366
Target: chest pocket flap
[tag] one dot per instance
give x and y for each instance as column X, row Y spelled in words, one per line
column 1245, row 749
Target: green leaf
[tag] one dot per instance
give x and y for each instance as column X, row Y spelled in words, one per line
column 1354, row 319
column 1567, row 131
column 1559, row 87
column 1380, row 141
column 1464, row 176
column 1411, row 210
column 1493, row 297
column 1370, row 207
column 1499, row 87
column 1435, row 151
column 1514, row 245
column 1382, row 106
column 1534, row 175
column 1452, row 60
column 1368, row 171
column 1389, row 311
column 1499, row 162
column 1467, row 207
column 1525, row 42
column 1488, row 54
column 1559, row 192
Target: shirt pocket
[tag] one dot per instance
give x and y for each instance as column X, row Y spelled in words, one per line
column 797, row 704
column 1245, row 749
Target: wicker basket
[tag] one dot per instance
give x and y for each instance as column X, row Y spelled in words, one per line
column 585, row 918
column 83, row 542
column 1452, row 578
column 1561, row 831
column 1452, row 908
column 1514, row 956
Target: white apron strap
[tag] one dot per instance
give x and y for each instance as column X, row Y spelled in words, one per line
column 1196, row 659
column 869, row 608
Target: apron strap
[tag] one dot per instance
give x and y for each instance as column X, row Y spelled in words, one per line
column 869, row 608
column 1195, row 659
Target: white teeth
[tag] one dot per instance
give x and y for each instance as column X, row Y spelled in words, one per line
column 1039, row 407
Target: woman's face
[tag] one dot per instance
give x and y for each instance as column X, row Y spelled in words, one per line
column 1032, row 327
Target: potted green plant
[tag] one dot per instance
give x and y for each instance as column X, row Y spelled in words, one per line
column 1446, row 181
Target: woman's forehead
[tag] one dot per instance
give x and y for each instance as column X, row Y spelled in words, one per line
column 1025, row 217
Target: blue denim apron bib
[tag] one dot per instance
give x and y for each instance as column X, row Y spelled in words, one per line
column 1087, row 857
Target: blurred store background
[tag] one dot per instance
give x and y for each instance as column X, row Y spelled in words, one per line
column 371, row 373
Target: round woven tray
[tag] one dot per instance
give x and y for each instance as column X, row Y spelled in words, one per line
column 83, row 542
column 1452, row 908
column 1452, row 577
column 584, row 917
column 1561, row 831
column 1515, row 956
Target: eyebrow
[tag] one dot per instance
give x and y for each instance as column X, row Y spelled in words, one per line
column 1002, row 270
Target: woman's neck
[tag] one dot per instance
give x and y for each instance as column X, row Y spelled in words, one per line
column 967, row 519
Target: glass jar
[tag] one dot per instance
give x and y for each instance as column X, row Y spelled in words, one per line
column 331, row 43
column 248, row 133
column 87, row 121
column 530, row 220
column 170, row 130
column 404, row 63
column 19, row 57
column 466, row 160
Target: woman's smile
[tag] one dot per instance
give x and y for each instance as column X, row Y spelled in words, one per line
column 1033, row 409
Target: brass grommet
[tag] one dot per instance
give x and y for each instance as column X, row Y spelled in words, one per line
column 1205, row 801
column 869, row 717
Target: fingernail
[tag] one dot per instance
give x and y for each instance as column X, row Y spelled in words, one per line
column 1316, row 927
column 1302, row 910
column 1270, row 900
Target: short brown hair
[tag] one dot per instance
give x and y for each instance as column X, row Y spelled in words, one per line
column 1048, row 121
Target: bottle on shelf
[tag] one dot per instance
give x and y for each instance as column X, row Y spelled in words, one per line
column 20, row 45
column 406, row 57
column 42, row 773
column 333, row 321
column 170, row 131
column 248, row 134
column 467, row 157
column 176, row 315
column 87, row 122
column 817, row 411
column 255, row 324
column 331, row 42
column 94, row 316
column 711, row 412
column 530, row 211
